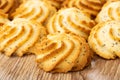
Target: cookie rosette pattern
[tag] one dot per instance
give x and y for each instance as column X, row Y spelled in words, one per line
column 91, row 7
column 70, row 20
column 34, row 10
column 19, row 35
column 104, row 39
column 62, row 52
column 110, row 11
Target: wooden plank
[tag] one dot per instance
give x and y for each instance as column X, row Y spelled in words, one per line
column 25, row 68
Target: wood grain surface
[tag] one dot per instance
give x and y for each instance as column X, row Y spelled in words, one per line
column 25, row 68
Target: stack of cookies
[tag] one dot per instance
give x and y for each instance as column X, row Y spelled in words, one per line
column 104, row 38
column 63, row 34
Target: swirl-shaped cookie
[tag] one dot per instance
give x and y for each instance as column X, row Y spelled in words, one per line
column 19, row 35
column 34, row 10
column 104, row 39
column 91, row 7
column 70, row 20
column 110, row 11
column 61, row 52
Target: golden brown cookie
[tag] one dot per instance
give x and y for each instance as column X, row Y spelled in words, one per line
column 110, row 11
column 34, row 10
column 70, row 20
column 104, row 39
column 19, row 35
column 91, row 7
column 61, row 52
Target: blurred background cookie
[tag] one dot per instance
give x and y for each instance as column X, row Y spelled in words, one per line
column 91, row 7
column 34, row 10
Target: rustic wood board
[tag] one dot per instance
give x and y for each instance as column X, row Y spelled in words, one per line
column 25, row 68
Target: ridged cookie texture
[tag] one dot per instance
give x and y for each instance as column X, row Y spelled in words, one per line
column 18, row 36
column 62, row 52
column 3, row 17
column 110, row 11
column 34, row 10
column 54, row 3
column 104, row 39
column 70, row 20
column 91, row 7
column 8, row 5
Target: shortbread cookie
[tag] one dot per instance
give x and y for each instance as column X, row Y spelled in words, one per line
column 104, row 39
column 91, row 7
column 110, row 11
column 70, row 20
column 34, row 10
column 61, row 52
column 19, row 35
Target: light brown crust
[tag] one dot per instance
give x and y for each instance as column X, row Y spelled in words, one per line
column 104, row 39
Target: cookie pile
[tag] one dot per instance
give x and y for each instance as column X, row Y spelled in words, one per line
column 63, row 34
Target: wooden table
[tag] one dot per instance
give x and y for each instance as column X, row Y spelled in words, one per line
column 25, row 68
